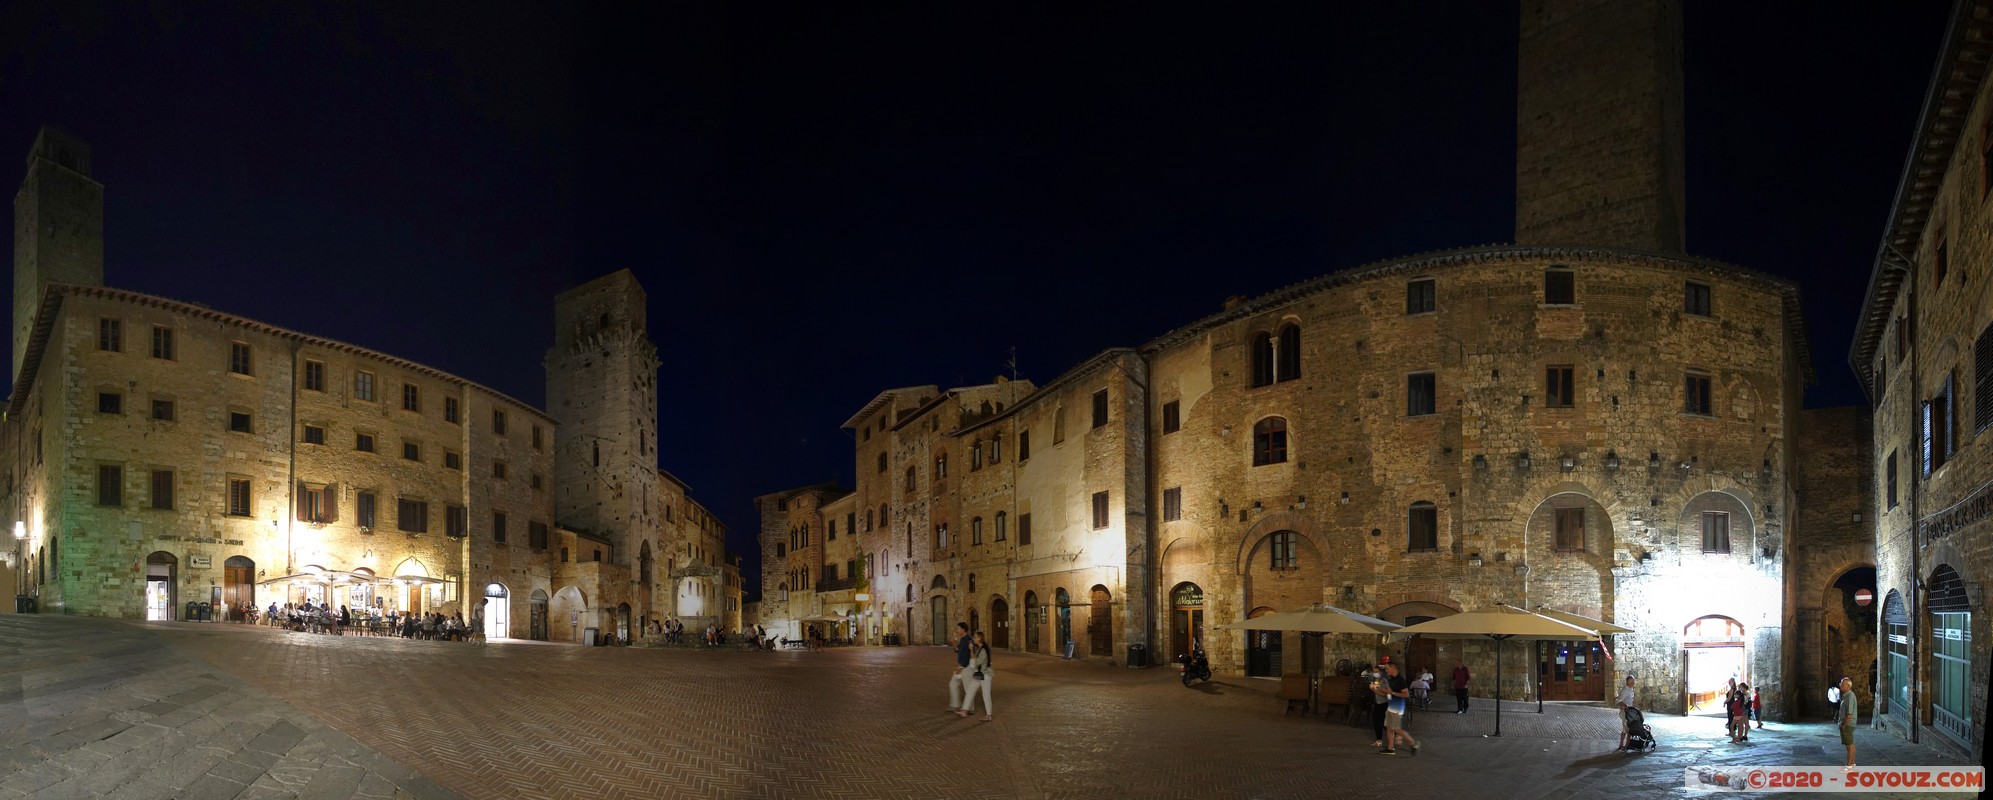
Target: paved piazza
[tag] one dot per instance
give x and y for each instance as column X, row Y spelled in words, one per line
column 189, row 710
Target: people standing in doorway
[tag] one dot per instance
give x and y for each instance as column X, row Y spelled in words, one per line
column 1625, row 703
column 1394, row 712
column 1380, row 699
column 957, row 679
column 1844, row 719
column 1460, row 678
column 980, row 677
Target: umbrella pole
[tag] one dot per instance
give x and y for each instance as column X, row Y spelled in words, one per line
column 1498, row 687
column 1539, row 679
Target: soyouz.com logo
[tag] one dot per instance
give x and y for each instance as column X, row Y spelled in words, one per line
column 1834, row 779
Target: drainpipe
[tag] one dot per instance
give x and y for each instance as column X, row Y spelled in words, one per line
column 1916, row 604
column 291, row 474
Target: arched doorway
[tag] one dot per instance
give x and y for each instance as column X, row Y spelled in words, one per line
column 1262, row 649
column 1896, row 663
column 1186, row 618
column 536, row 617
column 1949, row 670
column 497, row 611
column 1033, row 619
column 409, row 593
column 162, row 577
column 999, row 624
column 1100, row 623
column 1843, row 640
column 1713, row 653
column 238, row 584
column 1065, row 622
column 570, row 614
column 937, row 607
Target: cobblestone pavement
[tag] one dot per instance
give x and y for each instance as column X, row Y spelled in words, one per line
column 520, row 719
column 97, row 708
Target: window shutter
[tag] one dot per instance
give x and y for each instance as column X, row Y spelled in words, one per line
column 1925, row 429
column 332, row 502
column 303, row 515
column 1950, row 422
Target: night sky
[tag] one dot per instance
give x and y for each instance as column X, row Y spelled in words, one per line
column 830, row 201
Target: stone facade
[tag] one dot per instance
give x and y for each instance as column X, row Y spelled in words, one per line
column 162, row 453
column 1587, row 421
column 1834, row 505
column 1925, row 350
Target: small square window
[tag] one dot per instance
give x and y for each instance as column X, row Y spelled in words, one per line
column 238, row 358
column 1100, row 408
column 1421, row 394
column 411, row 451
column 314, row 434
column 162, row 342
column 536, row 481
column 363, row 442
column 1557, row 390
column 241, row 422
column 110, row 335
column 1172, row 417
column 162, row 410
column 452, row 460
column 110, row 403
column 1695, row 298
column 1421, row 296
column 498, row 470
column 1560, row 287
column 1696, row 395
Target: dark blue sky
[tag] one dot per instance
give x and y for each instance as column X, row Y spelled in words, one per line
column 826, row 201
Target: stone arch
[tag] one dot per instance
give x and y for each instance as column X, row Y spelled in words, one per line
column 1581, row 577
column 1743, row 521
column 939, row 584
column 1946, row 554
column 1279, row 521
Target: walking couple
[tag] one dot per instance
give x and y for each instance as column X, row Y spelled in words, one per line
column 972, row 673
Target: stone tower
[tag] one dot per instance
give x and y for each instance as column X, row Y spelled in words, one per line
column 1599, row 124
column 58, row 228
column 602, row 387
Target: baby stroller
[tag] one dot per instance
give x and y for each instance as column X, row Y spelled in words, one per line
column 1638, row 736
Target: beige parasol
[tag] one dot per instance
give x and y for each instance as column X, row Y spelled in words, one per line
column 1317, row 618
column 1499, row 623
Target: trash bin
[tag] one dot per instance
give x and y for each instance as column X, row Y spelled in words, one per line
column 23, row 604
column 1138, row 655
column 207, row 612
column 591, row 637
column 193, row 611
column 1071, row 648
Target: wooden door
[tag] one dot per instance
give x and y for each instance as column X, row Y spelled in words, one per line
column 536, row 623
column 1100, row 624
column 999, row 624
column 1572, row 671
column 239, row 583
column 938, row 609
column 1262, row 649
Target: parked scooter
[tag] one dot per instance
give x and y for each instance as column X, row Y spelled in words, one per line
column 1195, row 667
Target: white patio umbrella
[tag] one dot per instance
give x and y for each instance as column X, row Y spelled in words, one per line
column 1499, row 623
column 1316, row 618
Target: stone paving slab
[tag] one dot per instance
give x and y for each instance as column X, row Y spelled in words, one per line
column 107, row 709
column 522, row 719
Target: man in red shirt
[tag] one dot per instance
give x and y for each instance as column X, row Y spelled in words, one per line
column 1460, row 678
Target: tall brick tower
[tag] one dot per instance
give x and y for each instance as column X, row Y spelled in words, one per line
column 602, row 387
column 58, row 228
column 1599, row 124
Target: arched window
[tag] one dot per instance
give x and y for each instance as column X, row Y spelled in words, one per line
column 868, row 517
column 940, row 582
column 909, row 592
column 972, row 583
column 1002, row 525
column 976, row 530
column 1270, row 441
column 1262, row 359
column 1289, row 353
column 909, row 478
column 1950, row 665
column 940, row 466
column 996, row 449
column 1422, row 527
column 1280, row 547
column 975, row 456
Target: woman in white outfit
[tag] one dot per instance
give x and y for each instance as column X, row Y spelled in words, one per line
column 979, row 677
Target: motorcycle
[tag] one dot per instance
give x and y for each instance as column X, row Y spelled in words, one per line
column 1195, row 667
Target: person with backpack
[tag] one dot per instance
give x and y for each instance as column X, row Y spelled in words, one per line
column 981, row 675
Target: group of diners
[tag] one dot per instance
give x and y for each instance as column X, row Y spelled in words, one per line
column 324, row 618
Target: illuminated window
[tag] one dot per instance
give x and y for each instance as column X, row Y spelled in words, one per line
column 1270, row 441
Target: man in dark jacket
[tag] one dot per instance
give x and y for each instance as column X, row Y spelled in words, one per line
column 961, row 672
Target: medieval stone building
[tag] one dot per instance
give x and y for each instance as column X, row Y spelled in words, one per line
column 1924, row 347
column 1588, row 420
column 161, row 455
